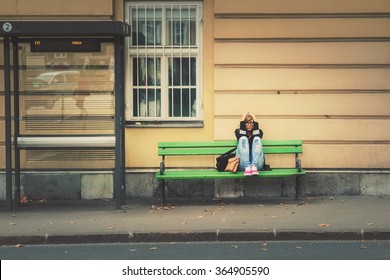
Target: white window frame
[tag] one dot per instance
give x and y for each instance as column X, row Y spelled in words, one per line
column 165, row 52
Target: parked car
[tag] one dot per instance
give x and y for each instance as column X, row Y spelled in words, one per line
column 53, row 85
column 57, row 78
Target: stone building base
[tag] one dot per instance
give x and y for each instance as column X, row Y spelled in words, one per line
column 99, row 185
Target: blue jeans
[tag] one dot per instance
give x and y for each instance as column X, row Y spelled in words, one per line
column 253, row 157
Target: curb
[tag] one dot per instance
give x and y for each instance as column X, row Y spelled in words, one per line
column 215, row 236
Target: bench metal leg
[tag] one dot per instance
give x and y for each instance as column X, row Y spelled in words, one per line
column 298, row 191
column 162, row 190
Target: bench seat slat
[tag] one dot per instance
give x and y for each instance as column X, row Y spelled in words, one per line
column 214, row 174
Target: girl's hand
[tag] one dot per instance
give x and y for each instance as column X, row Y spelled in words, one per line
column 253, row 116
column 248, row 114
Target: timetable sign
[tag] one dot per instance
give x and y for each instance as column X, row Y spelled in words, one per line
column 65, row 45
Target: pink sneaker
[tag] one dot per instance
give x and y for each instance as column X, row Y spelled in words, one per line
column 247, row 171
column 254, row 170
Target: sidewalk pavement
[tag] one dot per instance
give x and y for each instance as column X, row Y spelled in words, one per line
column 97, row 221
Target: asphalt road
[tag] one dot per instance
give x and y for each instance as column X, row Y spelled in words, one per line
column 275, row 250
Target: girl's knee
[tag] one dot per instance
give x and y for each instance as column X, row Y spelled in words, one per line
column 257, row 141
column 243, row 142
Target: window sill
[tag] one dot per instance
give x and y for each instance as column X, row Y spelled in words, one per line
column 163, row 124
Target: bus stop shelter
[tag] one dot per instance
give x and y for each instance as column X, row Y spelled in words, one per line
column 54, row 36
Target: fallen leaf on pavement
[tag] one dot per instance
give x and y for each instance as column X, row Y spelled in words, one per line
column 25, row 199
column 275, row 217
column 72, row 223
column 363, row 246
column 166, row 207
column 12, row 224
column 200, row 217
column 323, row 225
column 234, row 246
column 19, row 245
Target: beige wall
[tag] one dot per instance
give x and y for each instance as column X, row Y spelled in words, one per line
column 60, row 9
column 300, row 6
column 316, row 70
column 311, row 70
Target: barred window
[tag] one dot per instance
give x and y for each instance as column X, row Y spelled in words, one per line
column 165, row 61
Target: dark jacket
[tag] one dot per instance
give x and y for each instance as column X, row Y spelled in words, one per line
column 242, row 132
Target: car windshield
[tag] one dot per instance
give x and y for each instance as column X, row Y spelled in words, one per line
column 47, row 77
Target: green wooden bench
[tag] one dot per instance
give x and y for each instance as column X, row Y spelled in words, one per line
column 165, row 149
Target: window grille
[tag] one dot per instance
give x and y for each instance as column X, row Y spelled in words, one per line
column 165, row 61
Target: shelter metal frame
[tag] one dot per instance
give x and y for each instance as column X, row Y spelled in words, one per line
column 14, row 31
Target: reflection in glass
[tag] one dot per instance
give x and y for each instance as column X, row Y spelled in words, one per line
column 67, row 93
column 182, row 71
column 147, row 87
column 182, row 102
column 181, row 26
column 146, row 71
column 182, row 86
column 146, row 24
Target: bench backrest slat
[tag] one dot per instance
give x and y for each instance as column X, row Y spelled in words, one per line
column 220, row 147
column 226, row 143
